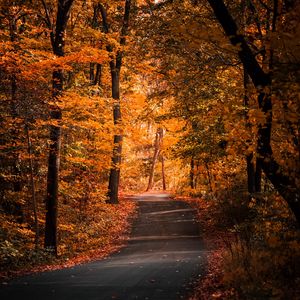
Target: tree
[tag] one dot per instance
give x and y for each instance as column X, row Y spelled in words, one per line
column 57, row 38
column 157, row 151
column 187, row 76
column 52, row 80
column 115, row 70
column 285, row 185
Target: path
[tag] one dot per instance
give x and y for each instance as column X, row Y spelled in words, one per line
column 160, row 262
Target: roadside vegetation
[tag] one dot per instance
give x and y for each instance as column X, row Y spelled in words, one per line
column 253, row 245
column 83, row 236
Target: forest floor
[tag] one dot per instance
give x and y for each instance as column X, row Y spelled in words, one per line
column 116, row 237
column 162, row 260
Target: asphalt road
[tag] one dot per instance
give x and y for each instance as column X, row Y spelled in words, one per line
column 161, row 261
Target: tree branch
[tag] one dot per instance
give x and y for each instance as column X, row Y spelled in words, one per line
column 48, row 22
column 258, row 76
column 104, row 18
column 286, row 185
column 124, row 32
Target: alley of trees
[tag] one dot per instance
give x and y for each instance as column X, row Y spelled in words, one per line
column 100, row 99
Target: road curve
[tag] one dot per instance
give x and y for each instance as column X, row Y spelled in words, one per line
column 162, row 259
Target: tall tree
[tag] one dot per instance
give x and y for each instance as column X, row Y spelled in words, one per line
column 115, row 70
column 157, row 150
column 285, row 185
column 95, row 69
column 57, row 36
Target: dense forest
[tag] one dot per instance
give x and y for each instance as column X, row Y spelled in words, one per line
column 101, row 99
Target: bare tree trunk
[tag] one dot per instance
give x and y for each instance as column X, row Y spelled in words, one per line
column 151, row 176
column 95, row 77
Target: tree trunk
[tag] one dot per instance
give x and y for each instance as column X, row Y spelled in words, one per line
column 34, row 202
column 163, row 174
column 92, row 73
column 192, row 180
column 285, row 185
column 252, row 175
column 154, row 159
column 114, row 177
column 151, row 176
column 58, row 43
column 258, row 76
column 258, row 175
column 52, row 182
column 195, row 176
column 95, row 77
column 115, row 69
column 209, row 177
column 98, row 75
column 17, row 184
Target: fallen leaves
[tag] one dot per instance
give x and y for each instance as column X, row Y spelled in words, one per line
column 116, row 237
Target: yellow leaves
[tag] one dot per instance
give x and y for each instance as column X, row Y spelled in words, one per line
column 43, row 61
column 25, row 231
column 257, row 116
column 145, row 67
column 101, row 224
column 87, row 55
column 252, row 203
column 89, row 33
column 171, row 73
column 80, row 160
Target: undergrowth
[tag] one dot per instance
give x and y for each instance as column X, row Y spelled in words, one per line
column 254, row 244
column 96, row 231
column 263, row 259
